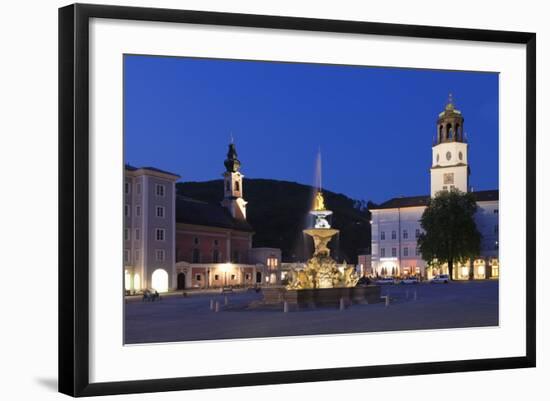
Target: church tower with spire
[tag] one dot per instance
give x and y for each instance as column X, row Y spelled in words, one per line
column 233, row 185
column 450, row 152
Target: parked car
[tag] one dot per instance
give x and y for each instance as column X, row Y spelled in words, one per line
column 440, row 278
column 385, row 280
column 410, row 280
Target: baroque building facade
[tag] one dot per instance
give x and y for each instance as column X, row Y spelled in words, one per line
column 173, row 242
column 395, row 224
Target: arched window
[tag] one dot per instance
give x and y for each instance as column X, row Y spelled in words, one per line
column 449, row 131
column 137, row 282
column 159, row 280
column 440, row 137
column 127, row 280
column 237, row 186
column 458, row 132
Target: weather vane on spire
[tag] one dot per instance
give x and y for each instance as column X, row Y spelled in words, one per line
column 450, row 102
column 231, row 137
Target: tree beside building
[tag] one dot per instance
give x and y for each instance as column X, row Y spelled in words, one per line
column 449, row 229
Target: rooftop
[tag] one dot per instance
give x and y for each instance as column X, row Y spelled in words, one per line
column 193, row 211
column 157, row 170
column 422, row 200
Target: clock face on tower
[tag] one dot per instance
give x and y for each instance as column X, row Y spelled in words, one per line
column 448, row 155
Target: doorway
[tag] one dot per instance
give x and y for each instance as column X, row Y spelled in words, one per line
column 181, row 281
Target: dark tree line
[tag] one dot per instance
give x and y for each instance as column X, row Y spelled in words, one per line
column 278, row 212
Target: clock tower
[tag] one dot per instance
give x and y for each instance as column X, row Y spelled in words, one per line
column 450, row 152
column 233, row 185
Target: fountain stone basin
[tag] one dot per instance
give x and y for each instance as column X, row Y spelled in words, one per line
column 318, row 297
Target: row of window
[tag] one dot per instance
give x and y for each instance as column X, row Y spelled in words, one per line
column 247, row 277
column 272, row 262
column 160, row 255
column 451, row 187
column 160, row 211
column 394, row 234
column 160, row 234
column 160, row 189
column 196, row 241
column 417, row 232
column 394, row 252
column 216, row 256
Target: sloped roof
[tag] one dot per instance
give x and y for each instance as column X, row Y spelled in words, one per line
column 193, row 211
column 158, row 170
column 404, row 201
column 412, row 201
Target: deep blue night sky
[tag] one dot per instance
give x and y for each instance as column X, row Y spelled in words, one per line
column 375, row 125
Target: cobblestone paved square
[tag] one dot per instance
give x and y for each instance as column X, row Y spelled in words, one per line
column 437, row 306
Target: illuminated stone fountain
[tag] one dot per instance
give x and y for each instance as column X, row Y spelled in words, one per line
column 321, row 282
column 321, row 270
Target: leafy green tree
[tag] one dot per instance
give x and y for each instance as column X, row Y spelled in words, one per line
column 450, row 232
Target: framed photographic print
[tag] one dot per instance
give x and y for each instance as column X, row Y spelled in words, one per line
column 295, row 199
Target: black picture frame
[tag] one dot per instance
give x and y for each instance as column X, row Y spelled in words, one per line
column 74, row 198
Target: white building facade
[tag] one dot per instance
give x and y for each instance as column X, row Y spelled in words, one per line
column 395, row 224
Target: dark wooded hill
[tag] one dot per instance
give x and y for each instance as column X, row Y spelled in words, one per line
column 278, row 212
